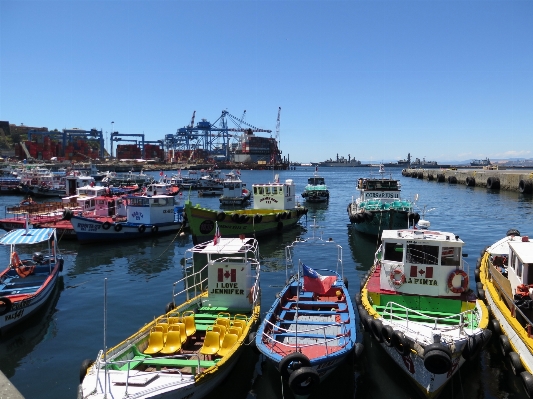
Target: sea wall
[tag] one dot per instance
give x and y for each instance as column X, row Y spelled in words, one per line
column 510, row 180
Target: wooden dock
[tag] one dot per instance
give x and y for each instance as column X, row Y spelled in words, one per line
column 493, row 179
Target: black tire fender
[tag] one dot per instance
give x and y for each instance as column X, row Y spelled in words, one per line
column 220, row 216
column 515, row 362
column 512, row 232
column 401, row 343
column 495, row 327
column 85, row 365
column 170, row 306
column 142, row 228
column 387, row 332
column 481, row 294
column 5, row 305
column 505, row 345
column 154, row 229
column 61, row 263
column 375, row 329
column 472, row 348
column 235, row 217
column 357, row 299
column 437, row 358
column 527, row 382
column 304, row 381
column 118, row 227
column 292, row 362
column 106, row 225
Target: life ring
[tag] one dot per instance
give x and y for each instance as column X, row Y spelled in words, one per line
column 118, row 227
column 5, row 305
column 15, row 260
column 141, row 228
column 292, row 362
column 397, row 282
column 464, row 285
column 106, row 225
column 220, row 216
column 437, row 358
column 154, row 229
column 304, row 380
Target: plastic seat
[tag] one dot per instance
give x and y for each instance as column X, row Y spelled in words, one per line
column 235, row 330
column 190, row 325
column 227, row 344
column 211, row 343
column 221, row 330
column 181, row 328
column 173, row 342
column 174, row 320
column 223, row 322
column 155, row 342
column 239, row 323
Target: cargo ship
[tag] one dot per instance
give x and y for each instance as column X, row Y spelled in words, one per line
column 480, row 162
column 255, row 149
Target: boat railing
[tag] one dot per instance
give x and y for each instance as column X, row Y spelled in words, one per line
column 197, row 283
column 508, row 300
column 275, row 329
column 462, row 319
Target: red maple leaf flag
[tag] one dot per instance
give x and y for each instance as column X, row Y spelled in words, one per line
column 315, row 282
column 217, row 235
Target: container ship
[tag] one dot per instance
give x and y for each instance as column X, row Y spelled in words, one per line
column 255, row 149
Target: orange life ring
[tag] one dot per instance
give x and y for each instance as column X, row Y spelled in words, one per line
column 21, row 269
column 397, row 282
column 464, row 285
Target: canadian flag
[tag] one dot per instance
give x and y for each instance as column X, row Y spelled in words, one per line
column 161, row 173
column 217, row 235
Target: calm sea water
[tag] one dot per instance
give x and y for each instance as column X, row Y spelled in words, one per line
column 42, row 357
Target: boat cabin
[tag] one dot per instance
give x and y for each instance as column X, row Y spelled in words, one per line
column 387, row 190
column 519, row 262
column 316, row 181
column 275, row 195
column 422, row 262
column 150, row 209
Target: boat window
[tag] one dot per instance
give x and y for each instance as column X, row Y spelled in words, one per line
column 519, row 266
column 138, row 201
column 274, row 190
column 267, row 190
column 422, row 254
column 451, row 256
column 159, row 202
column 259, row 190
column 393, row 252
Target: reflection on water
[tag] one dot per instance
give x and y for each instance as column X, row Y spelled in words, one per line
column 363, row 248
column 20, row 341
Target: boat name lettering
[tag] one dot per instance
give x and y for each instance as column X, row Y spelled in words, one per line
column 422, row 281
column 232, row 227
column 326, row 364
column 14, row 316
column 382, row 195
column 268, row 199
column 234, row 291
column 137, row 215
column 168, row 210
column 88, row 227
column 22, row 304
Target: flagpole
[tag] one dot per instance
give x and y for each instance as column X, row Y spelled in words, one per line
column 297, row 304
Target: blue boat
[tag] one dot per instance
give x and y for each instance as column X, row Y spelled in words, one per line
column 310, row 329
column 28, row 281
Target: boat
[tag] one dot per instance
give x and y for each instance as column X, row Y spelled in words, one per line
column 189, row 350
column 9, row 185
column 28, row 281
column 210, row 192
column 341, row 161
column 234, row 192
column 481, row 162
column 505, row 282
column 316, row 189
column 310, row 328
column 127, row 178
column 415, row 302
column 380, row 207
column 145, row 215
column 274, row 210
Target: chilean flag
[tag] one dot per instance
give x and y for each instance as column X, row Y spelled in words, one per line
column 315, row 282
column 217, row 235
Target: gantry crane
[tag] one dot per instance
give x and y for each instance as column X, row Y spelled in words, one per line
column 114, row 136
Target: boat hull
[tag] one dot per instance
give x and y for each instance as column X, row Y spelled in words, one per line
column 248, row 222
column 382, row 220
column 89, row 230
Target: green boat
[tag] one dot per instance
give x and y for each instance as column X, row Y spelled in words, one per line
column 274, row 210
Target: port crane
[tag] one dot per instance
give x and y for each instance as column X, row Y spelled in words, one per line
column 116, row 136
column 211, row 137
column 68, row 135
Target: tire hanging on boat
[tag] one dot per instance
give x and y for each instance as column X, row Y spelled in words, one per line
column 142, row 228
column 437, row 358
column 220, row 216
column 515, row 362
column 527, row 382
column 401, row 343
column 154, row 229
column 291, row 363
column 235, row 217
column 170, row 306
column 84, row 368
column 387, row 332
column 472, row 348
column 505, row 345
column 106, row 225
column 5, row 305
column 118, row 227
column 375, row 328
column 304, row 380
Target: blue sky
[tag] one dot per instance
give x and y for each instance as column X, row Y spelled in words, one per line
column 444, row 80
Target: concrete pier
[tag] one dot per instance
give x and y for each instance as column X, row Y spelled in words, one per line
column 511, row 180
column 7, row 389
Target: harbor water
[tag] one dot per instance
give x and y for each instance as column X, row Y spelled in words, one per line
column 42, row 357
